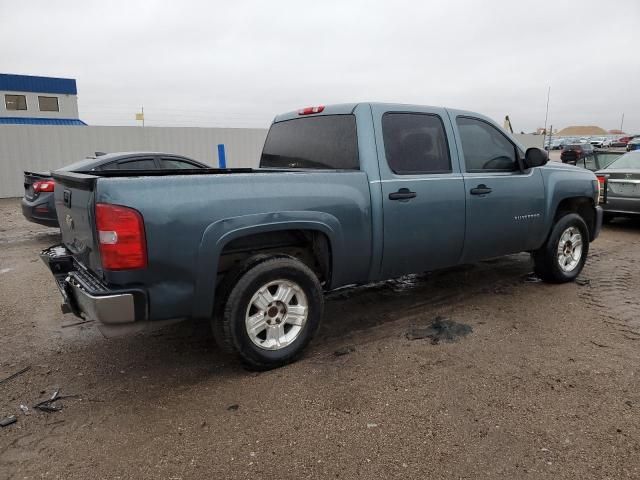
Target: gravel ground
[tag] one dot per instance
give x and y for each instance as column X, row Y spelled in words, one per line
column 545, row 385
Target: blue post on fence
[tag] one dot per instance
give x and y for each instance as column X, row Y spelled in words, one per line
column 222, row 159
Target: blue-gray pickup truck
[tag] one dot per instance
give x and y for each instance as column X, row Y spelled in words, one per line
column 344, row 194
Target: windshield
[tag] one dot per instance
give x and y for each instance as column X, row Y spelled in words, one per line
column 628, row 160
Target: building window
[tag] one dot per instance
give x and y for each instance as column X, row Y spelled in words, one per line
column 48, row 104
column 15, row 102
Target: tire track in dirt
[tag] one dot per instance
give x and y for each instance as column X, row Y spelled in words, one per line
column 611, row 281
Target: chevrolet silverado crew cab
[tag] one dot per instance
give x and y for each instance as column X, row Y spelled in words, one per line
column 345, row 194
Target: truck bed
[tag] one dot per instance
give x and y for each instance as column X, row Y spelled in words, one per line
column 190, row 215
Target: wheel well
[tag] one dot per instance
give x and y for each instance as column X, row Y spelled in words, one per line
column 583, row 206
column 309, row 246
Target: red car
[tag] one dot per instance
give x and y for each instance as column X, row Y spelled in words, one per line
column 576, row 151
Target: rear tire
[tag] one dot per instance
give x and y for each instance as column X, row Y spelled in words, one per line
column 271, row 313
column 564, row 254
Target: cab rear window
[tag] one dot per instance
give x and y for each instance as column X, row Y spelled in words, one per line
column 323, row 142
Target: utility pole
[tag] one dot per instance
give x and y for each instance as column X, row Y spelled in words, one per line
column 546, row 115
column 140, row 116
column 622, row 122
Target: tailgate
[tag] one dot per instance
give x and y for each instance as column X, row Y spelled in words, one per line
column 75, row 209
column 29, row 179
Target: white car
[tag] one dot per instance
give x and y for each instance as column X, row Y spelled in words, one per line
column 597, row 142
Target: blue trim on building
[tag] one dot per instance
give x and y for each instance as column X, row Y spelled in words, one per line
column 28, row 83
column 40, row 121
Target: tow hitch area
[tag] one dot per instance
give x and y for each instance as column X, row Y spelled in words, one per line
column 60, row 262
column 87, row 296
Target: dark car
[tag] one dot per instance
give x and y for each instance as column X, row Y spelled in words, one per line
column 576, row 151
column 622, row 180
column 555, row 144
column 38, row 205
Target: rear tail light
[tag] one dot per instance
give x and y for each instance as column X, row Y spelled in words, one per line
column 311, row 110
column 44, row 186
column 121, row 237
column 602, row 188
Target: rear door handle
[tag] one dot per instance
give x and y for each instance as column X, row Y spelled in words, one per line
column 402, row 194
column 481, row 189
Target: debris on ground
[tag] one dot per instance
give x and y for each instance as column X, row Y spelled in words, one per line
column 532, row 278
column 14, row 375
column 583, row 281
column 50, row 405
column 5, row 422
column 440, row 329
column 24, row 409
column 75, row 324
column 233, row 408
column 344, row 351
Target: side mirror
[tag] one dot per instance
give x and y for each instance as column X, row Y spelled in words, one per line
column 535, row 157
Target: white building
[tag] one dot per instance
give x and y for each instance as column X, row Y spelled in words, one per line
column 30, row 100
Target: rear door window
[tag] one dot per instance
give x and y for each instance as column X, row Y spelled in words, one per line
column 415, row 143
column 138, row 164
column 176, row 164
column 324, row 142
column 485, row 148
column 108, row 166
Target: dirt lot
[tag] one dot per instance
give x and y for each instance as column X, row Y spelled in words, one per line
column 546, row 385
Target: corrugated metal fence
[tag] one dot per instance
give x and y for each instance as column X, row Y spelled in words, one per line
column 44, row 148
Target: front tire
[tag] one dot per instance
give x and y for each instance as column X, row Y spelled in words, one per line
column 272, row 312
column 564, row 254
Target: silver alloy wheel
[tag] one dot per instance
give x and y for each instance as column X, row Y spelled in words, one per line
column 276, row 314
column 569, row 249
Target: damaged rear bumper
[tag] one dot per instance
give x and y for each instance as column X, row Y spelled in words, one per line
column 87, row 297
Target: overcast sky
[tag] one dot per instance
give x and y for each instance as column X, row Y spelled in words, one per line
column 238, row 63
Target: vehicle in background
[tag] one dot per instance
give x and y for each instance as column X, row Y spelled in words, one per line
column 633, row 144
column 621, row 182
column 597, row 142
column 345, row 194
column 38, row 202
column 556, row 144
column 618, row 142
column 599, row 160
column 577, row 151
column 622, row 141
